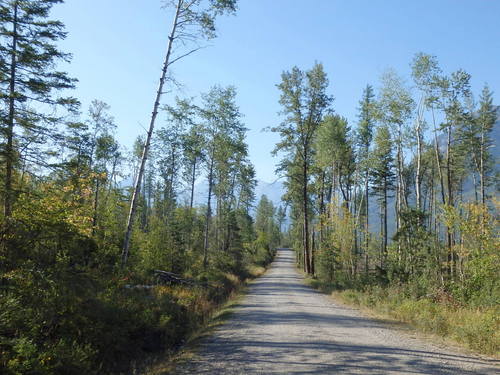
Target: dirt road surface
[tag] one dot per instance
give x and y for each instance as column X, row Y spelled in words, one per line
column 282, row 326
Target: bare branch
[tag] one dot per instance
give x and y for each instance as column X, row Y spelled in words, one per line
column 184, row 55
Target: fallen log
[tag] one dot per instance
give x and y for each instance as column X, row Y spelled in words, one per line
column 170, row 278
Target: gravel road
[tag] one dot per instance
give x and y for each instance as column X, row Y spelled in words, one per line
column 283, row 326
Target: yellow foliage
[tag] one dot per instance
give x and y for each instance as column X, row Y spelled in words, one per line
column 57, row 205
column 342, row 224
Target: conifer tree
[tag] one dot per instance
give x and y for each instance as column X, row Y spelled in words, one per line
column 485, row 121
column 382, row 180
column 28, row 82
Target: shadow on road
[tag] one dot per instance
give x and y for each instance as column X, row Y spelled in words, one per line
column 345, row 359
column 285, row 327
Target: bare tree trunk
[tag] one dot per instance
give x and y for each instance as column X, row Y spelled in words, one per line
column 381, row 249
column 209, row 213
column 367, row 228
column 305, row 207
column 193, row 179
column 321, row 210
column 313, row 245
column 438, row 159
column 449, row 180
column 474, row 182
column 399, row 195
column 418, row 174
column 384, row 254
column 9, row 148
column 481, row 169
column 110, row 183
column 137, row 185
column 96, row 202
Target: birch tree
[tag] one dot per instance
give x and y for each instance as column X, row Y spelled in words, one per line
column 367, row 107
column 193, row 20
column 222, row 131
column 396, row 108
column 304, row 101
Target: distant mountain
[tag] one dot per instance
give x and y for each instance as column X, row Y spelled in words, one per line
column 273, row 191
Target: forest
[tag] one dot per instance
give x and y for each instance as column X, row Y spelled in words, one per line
column 74, row 300
column 399, row 210
column 106, row 259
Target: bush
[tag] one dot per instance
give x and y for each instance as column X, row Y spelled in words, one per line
column 479, row 329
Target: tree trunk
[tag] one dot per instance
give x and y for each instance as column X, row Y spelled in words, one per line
column 449, row 180
column 418, row 174
column 193, row 179
column 307, row 260
column 321, row 210
column 209, row 213
column 313, row 245
column 481, row 168
column 137, row 185
column 96, row 202
column 9, row 147
column 438, row 159
column 367, row 228
column 474, row 182
column 384, row 254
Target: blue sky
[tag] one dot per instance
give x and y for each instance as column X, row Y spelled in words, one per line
column 118, row 47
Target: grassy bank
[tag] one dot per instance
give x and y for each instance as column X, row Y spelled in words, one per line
column 475, row 328
column 214, row 313
column 104, row 329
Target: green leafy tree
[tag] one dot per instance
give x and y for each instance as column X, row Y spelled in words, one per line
column 304, row 102
column 395, row 109
column 223, row 133
column 29, row 82
column 267, row 228
column 169, row 162
column 193, row 19
column 366, row 123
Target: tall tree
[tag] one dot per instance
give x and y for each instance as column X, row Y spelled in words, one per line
column 103, row 148
column 396, row 107
column 169, row 163
column 192, row 19
column 427, row 75
column 29, row 81
column 304, row 102
column 367, row 117
column 223, row 132
column 486, row 119
column 382, row 179
column 335, row 158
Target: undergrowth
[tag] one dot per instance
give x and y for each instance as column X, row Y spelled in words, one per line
column 478, row 328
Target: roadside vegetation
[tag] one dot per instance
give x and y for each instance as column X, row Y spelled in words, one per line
column 398, row 211
column 73, row 301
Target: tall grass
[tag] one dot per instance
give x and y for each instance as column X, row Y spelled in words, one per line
column 476, row 328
